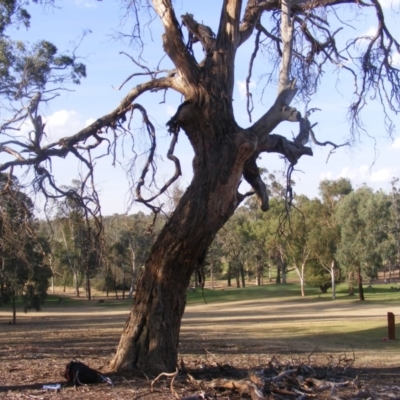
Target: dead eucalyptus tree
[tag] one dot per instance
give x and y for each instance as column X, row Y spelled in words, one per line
column 296, row 34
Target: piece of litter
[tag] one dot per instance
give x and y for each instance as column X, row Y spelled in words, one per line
column 56, row 387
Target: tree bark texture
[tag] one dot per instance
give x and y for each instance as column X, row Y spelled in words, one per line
column 360, row 284
column 151, row 335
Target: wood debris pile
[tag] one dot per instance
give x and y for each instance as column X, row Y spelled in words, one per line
column 278, row 379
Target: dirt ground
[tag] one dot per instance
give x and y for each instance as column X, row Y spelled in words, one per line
column 217, row 341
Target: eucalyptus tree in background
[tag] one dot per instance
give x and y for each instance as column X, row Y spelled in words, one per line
column 235, row 248
column 214, row 261
column 298, row 38
column 396, row 219
column 79, row 238
column 298, row 251
column 24, row 270
column 363, row 218
column 324, row 234
column 129, row 236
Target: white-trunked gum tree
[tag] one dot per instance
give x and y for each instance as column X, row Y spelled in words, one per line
column 298, row 36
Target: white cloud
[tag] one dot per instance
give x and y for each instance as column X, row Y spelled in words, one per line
column 371, row 32
column 395, row 60
column 396, row 144
column 326, row 176
column 86, row 3
column 170, row 110
column 382, row 175
column 89, row 121
column 242, row 88
column 392, row 4
column 64, row 123
column 363, row 174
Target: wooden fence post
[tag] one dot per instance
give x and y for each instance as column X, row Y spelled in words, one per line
column 391, row 326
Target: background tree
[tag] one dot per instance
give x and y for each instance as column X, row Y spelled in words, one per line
column 395, row 228
column 300, row 40
column 363, row 217
column 79, row 237
column 133, row 236
column 24, row 272
column 324, row 235
column 234, row 248
column 214, row 264
column 298, row 250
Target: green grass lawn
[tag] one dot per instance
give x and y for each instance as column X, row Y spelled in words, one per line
column 378, row 294
column 290, row 292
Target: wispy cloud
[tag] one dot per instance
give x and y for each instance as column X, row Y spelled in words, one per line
column 395, row 60
column 396, row 144
column 58, row 125
column 86, row 3
column 63, row 123
column 394, row 4
column 363, row 174
column 383, row 175
column 170, row 110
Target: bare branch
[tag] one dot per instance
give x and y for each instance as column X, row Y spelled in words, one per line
column 327, row 143
column 249, row 96
column 199, row 32
column 228, row 32
column 113, row 119
column 150, row 161
column 174, row 46
column 287, row 41
column 252, row 175
column 252, row 13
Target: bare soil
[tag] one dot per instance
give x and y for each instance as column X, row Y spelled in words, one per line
column 335, row 342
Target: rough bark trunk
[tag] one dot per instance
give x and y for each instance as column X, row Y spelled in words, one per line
column 237, row 279
column 88, row 287
column 284, row 272
column 133, row 281
column 76, row 282
column 14, row 310
column 150, row 338
column 300, row 274
column 278, row 274
column 351, row 284
column 360, row 285
column 242, row 275
column 229, row 275
column 333, row 280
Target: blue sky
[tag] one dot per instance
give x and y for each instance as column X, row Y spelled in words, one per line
column 371, row 161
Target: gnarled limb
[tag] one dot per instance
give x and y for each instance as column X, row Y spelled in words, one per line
column 173, row 43
column 200, row 32
column 228, row 32
column 252, row 175
column 62, row 147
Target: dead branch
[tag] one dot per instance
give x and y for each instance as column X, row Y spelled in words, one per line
column 173, row 42
column 199, row 32
column 242, row 386
column 201, row 396
column 168, row 375
column 250, row 105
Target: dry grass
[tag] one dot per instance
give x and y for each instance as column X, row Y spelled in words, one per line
column 243, row 335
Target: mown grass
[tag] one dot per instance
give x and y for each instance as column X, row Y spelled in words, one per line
column 291, row 292
column 377, row 294
column 303, row 325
